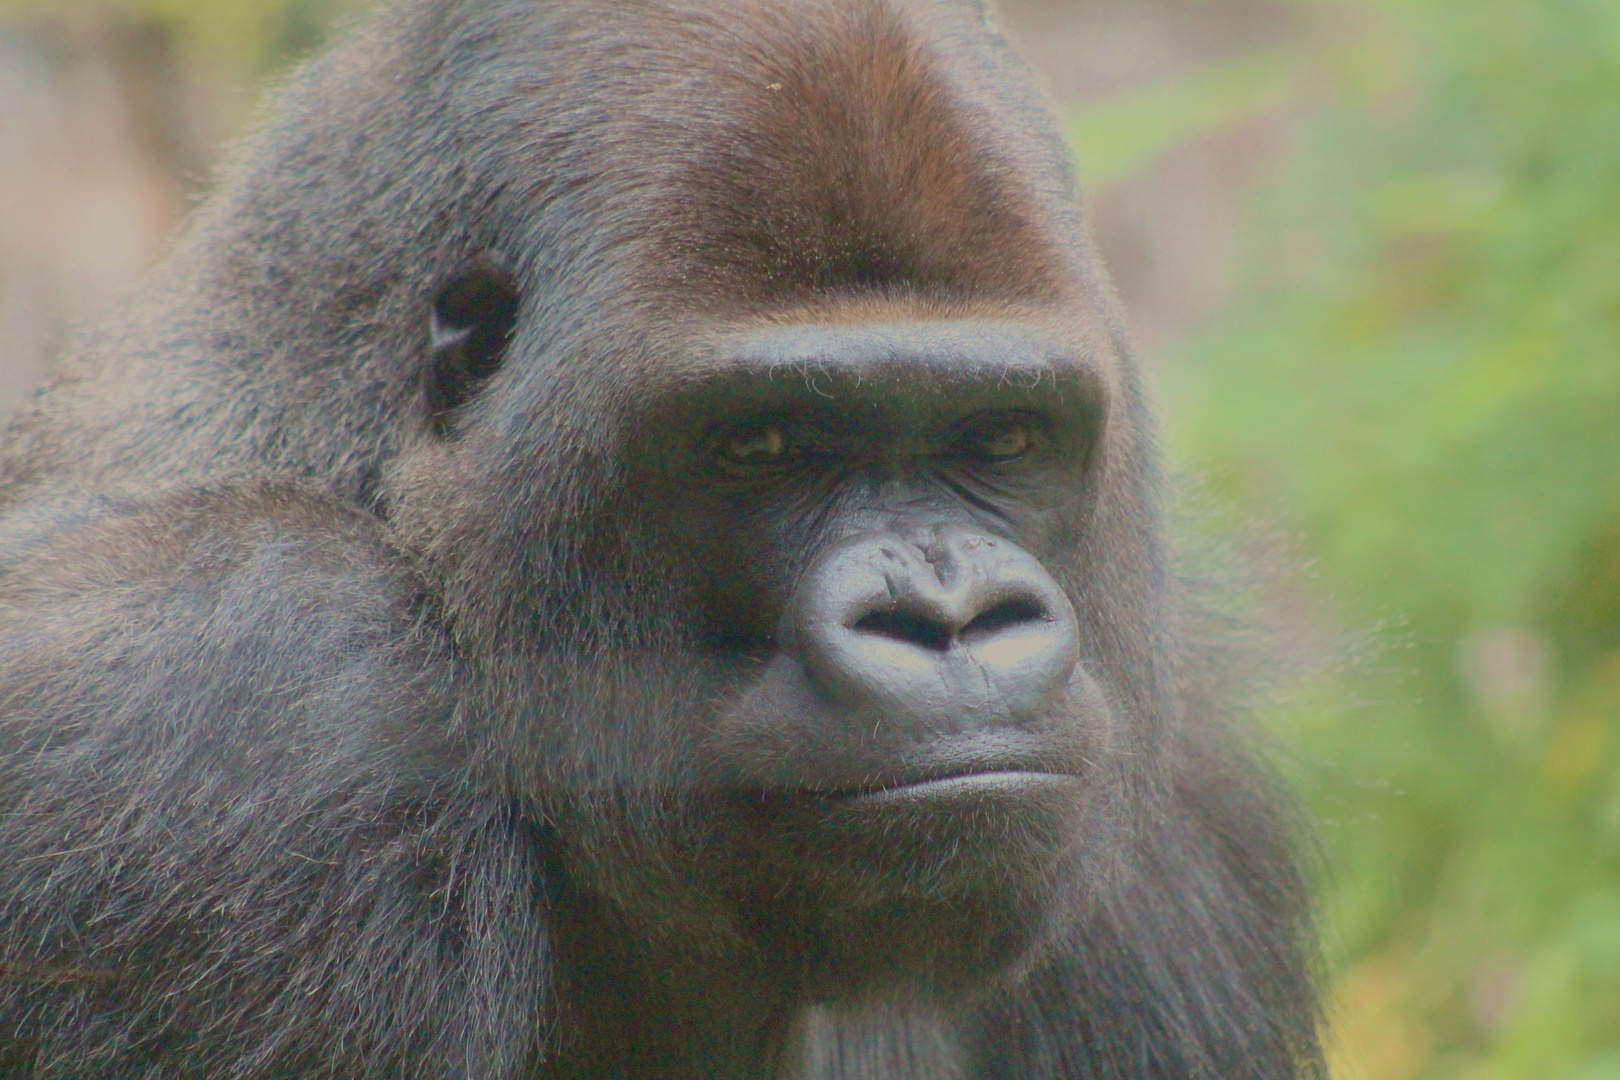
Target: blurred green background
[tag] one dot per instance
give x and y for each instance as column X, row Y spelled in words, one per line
column 1373, row 253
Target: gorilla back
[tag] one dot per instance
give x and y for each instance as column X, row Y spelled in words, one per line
column 624, row 543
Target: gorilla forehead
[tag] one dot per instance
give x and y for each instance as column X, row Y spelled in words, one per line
column 743, row 154
column 847, row 158
column 779, row 162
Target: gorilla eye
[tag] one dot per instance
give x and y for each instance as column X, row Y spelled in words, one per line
column 753, row 447
column 1003, row 440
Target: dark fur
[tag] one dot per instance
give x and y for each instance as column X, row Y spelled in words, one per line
column 347, row 706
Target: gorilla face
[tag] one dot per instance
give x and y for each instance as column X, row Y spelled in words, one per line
column 864, row 723
column 871, row 508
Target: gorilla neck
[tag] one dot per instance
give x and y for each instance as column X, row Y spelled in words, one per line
column 644, row 1011
column 657, row 1011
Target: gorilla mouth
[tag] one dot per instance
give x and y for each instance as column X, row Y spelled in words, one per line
column 1003, row 782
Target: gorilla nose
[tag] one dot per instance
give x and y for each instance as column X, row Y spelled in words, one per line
column 952, row 632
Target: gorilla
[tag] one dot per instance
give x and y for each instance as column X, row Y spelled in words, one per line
column 625, row 542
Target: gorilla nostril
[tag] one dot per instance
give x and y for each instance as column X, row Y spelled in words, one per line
column 1005, row 615
column 936, row 634
column 908, row 627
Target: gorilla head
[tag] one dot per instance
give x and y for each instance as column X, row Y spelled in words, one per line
column 812, row 490
column 656, row 496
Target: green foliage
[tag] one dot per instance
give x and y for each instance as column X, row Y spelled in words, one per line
column 1122, row 135
column 237, row 39
column 1426, row 374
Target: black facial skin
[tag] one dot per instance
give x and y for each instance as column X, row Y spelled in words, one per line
column 625, row 544
column 874, row 505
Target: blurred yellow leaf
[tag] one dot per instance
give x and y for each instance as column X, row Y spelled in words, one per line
column 1373, row 1034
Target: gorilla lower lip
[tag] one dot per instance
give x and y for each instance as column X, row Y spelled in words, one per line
column 1007, row 783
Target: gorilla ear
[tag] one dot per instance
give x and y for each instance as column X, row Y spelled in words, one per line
column 473, row 318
